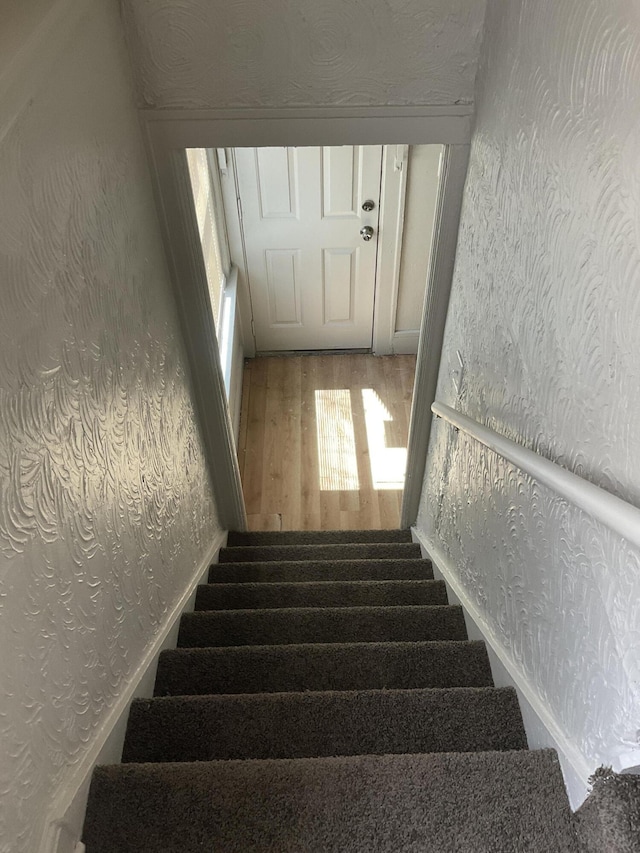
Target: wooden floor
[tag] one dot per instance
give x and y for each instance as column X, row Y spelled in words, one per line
column 323, row 440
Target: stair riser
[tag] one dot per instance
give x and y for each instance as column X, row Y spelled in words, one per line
column 315, row 537
column 367, row 666
column 322, row 625
column 369, row 551
column 308, row 725
column 321, row 570
column 323, row 594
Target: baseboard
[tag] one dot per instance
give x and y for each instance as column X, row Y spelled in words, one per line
column 543, row 731
column 406, row 343
column 63, row 827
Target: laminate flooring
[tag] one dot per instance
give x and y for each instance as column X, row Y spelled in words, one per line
column 322, row 441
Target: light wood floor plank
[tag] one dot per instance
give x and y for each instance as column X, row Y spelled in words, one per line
column 282, row 474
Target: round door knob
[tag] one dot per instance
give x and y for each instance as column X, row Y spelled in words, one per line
column 367, row 232
column 368, row 205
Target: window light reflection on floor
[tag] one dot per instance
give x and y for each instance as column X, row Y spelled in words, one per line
column 387, row 463
column 337, row 459
column 338, row 463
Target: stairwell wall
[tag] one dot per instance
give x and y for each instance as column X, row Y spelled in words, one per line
column 106, row 508
column 194, row 54
column 545, row 312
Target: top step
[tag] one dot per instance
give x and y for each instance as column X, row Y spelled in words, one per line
column 316, row 537
column 333, row 551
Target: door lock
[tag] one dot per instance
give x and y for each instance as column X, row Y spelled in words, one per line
column 367, row 233
column 368, row 205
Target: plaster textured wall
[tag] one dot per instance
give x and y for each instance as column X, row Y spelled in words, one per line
column 198, row 54
column 105, row 503
column 546, row 313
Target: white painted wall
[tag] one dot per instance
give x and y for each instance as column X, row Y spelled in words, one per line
column 545, row 311
column 106, row 510
column 420, row 208
column 199, row 54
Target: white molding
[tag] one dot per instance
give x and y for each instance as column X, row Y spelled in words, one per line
column 612, row 511
column 188, row 274
column 68, row 806
column 30, row 67
column 393, row 186
column 575, row 766
column 382, row 125
column 406, row 341
column 230, row 196
column 453, row 171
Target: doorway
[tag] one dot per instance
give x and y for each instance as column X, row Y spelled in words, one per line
column 169, row 134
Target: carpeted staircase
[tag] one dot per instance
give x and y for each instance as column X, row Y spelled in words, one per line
column 324, row 697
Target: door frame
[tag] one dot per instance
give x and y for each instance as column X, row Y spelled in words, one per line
column 168, row 132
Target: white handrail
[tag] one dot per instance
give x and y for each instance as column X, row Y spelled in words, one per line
column 616, row 513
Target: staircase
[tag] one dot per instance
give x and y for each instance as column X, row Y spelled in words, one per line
column 324, row 697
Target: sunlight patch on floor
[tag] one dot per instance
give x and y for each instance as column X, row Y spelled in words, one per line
column 388, row 464
column 338, row 463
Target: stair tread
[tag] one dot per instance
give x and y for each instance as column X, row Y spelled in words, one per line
column 326, row 593
column 490, row 802
column 277, row 537
column 323, row 666
column 295, row 725
column 322, row 625
column 359, row 550
column 412, row 568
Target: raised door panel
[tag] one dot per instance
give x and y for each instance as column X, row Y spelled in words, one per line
column 341, row 177
column 338, row 285
column 277, row 175
column 283, row 284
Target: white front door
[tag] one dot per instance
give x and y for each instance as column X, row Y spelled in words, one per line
column 311, row 272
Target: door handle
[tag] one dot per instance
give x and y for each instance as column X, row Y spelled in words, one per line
column 366, row 232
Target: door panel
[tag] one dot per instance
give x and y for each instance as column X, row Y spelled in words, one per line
column 283, row 282
column 311, row 275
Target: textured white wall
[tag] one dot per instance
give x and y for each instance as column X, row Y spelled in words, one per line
column 546, row 313
column 105, row 503
column 247, row 53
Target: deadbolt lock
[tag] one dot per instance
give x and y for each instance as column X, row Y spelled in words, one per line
column 368, row 205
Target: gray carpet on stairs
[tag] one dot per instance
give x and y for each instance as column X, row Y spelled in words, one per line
column 355, row 551
column 316, row 537
column 245, row 596
column 324, row 699
column 303, row 725
column 321, row 625
column 492, row 802
column 331, row 666
column 321, row 570
column 609, row 820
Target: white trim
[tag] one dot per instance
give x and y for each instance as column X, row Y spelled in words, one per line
column 406, row 341
column 453, row 171
column 68, row 806
column 615, row 513
column 382, row 125
column 393, row 190
column 227, row 327
column 543, row 730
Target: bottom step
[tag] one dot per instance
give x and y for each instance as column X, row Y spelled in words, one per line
column 451, row 803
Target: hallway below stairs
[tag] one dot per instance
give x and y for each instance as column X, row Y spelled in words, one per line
column 323, row 439
column 324, row 698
